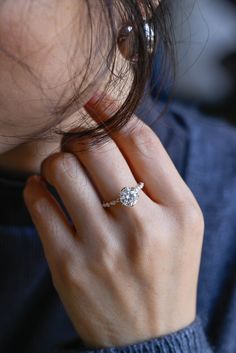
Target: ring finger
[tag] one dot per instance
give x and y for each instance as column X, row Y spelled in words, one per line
column 107, row 168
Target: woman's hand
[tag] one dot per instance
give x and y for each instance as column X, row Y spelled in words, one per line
column 124, row 274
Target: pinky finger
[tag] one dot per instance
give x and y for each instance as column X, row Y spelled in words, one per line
column 55, row 232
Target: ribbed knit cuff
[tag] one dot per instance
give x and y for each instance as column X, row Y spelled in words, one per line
column 190, row 339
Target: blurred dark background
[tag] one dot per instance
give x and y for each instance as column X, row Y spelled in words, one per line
column 205, row 35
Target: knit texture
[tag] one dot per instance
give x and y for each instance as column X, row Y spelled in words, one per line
column 32, row 317
column 190, row 339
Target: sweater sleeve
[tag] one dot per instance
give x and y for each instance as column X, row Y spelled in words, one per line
column 190, row 339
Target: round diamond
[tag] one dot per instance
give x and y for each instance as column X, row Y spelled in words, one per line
column 129, row 196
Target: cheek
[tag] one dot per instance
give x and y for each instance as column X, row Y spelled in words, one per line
column 47, row 36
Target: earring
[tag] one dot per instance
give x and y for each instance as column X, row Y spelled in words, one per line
column 150, row 35
column 127, row 42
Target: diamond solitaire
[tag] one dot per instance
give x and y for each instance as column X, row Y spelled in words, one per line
column 128, row 196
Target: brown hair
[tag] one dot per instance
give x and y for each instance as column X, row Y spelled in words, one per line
column 133, row 13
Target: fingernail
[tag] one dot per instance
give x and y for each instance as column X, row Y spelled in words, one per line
column 95, row 98
column 36, row 178
column 70, row 165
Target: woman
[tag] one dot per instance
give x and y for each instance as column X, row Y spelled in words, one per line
column 83, row 267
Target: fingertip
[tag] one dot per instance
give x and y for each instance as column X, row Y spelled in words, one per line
column 32, row 178
column 95, row 98
column 102, row 106
column 30, row 192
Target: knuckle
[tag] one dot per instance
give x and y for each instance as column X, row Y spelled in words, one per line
column 197, row 218
column 144, row 136
column 193, row 218
column 105, row 262
column 106, row 254
column 107, row 258
column 143, row 226
column 51, row 164
column 139, row 222
column 39, row 207
column 57, row 164
column 110, row 250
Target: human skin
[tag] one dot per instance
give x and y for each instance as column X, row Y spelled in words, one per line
column 52, row 38
column 124, row 274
